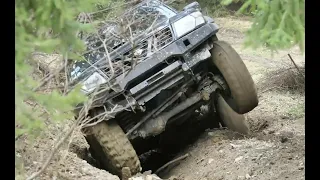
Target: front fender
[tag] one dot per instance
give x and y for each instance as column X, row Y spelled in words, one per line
column 208, row 19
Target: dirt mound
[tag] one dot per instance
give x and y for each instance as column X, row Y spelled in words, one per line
column 242, row 159
column 284, row 79
column 72, row 167
column 65, row 164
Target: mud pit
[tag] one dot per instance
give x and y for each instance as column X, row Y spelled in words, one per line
column 275, row 150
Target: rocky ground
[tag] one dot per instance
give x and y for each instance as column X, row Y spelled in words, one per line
column 274, row 150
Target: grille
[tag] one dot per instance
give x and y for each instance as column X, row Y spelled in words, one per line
column 154, row 43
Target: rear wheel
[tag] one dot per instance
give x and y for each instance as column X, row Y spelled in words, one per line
column 111, row 147
column 241, row 88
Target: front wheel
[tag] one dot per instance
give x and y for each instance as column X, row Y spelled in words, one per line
column 242, row 95
column 229, row 118
column 110, row 145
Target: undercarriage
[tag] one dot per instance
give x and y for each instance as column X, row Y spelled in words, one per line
column 172, row 106
column 191, row 100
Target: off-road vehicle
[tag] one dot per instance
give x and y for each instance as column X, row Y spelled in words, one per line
column 155, row 67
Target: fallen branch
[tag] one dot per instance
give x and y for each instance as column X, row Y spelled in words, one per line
column 45, row 165
column 171, row 162
column 58, row 145
column 295, row 65
column 80, row 122
column 45, row 81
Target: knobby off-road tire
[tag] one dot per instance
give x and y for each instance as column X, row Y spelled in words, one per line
column 244, row 96
column 112, row 148
column 231, row 119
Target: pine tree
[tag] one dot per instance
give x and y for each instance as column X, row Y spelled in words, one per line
column 277, row 24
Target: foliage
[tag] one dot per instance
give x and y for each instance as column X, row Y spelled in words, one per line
column 45, row 26
column 108, row 10
column 212, row 7
column 277, row 24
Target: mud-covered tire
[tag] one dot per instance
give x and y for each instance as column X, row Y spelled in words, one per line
column 241, row 85
column 112, row 148
column 231, row 119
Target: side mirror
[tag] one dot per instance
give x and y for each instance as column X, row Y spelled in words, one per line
column 193, row 5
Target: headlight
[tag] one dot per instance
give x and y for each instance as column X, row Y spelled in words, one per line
column 188, row 23
column 92, row 82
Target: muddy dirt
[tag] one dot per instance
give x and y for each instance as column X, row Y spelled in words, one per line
column 274, row 150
